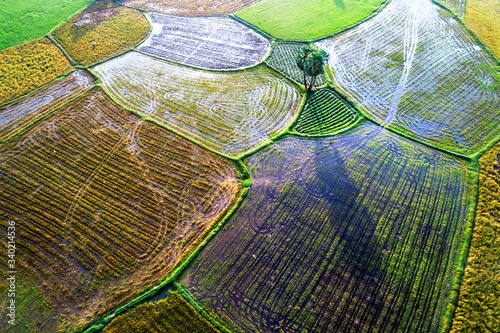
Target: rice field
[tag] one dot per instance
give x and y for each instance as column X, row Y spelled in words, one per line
column 415, row 69
column 205, row 42
column 29, row 66
column 101, row 31
column 106, row 205
column 191, row 7
column 15, row 116
column 297, row 20
column 353, row 233
column 482, row 17
column 172, row 314
column 231, row 113
column 282, row 58
column 478, row 308
column 326, row 113
column 25, row 20
column 457, row 7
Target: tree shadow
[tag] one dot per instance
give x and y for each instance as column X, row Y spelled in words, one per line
column 340, row 4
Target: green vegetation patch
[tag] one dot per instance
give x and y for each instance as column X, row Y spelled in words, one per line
column 299, row 20
column 33, row 314
column 101, row 31
column 230, row 112
column 478, row 307
column 325, row 113
column 29, row 66
column 106, row 204
column 352, row 233
column 283, row 57
column 24, row 20
column 172, row 314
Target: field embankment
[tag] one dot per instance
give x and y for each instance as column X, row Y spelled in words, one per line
column 232, row 112
column 417, row 70
column 478, row 307
column 353, row 233
column 106, row 204
column 13, row 117
column 172, row 314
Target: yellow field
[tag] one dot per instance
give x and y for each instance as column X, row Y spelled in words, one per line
column 482, row 17
column 106, row 204
column 478, row 307
column 102, row 31
column 29, row 66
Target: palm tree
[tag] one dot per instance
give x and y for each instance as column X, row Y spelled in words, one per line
column 311, row 62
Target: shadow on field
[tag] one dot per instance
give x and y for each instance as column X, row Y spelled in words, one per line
column 346, row 297
column 340, row 4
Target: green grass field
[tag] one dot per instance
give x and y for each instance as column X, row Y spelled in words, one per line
column 24, row 20
column 299, row 20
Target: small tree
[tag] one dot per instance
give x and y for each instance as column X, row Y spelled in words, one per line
column 311, row 61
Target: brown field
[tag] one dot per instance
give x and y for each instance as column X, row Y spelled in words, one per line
column 15, row 116
column 188, row 7
column 106, row 204
column 482, row 17
column 29, row 66
column 101, row 31
column 478, row 307
column 173, row 315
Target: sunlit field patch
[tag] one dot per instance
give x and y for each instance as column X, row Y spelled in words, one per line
column 298, row 20
column 172, row 315
column 353, row 233
column 29, row 66
column 206, row 42
column 101, row 31
column 416, row 69
column 231, row 112
column 105, row 204
column 15, row 116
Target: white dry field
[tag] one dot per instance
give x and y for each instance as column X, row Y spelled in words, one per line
column 231, row 112
column 205, row 42
column 14, row 116
column 414, row 68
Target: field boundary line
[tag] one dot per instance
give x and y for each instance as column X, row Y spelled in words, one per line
column 72, row 61
column 373, row 14
column 459, row 265
column 34, row 91
column 271, row 139
column 470, row 33
column 150, row 292
column 46, row 115
column 200, row 309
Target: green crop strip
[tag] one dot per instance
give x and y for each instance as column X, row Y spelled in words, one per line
column 24, row 20
column 325, row 113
